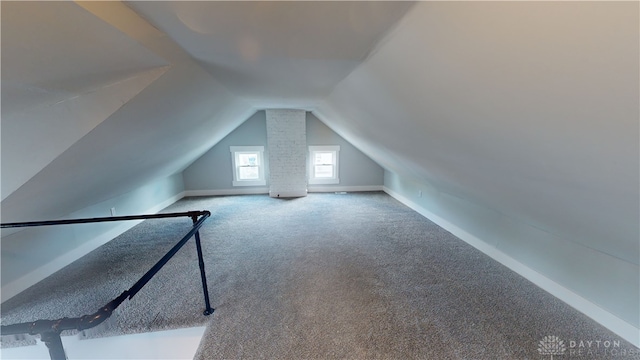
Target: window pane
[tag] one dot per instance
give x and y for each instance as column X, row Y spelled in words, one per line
column 323, row 171
column 248, row 173
column 323, row 158
column 248, row 159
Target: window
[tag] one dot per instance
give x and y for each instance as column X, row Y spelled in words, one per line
column 323, row 167
column 248, row 165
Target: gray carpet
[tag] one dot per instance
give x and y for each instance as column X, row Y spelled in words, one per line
column 356, row 276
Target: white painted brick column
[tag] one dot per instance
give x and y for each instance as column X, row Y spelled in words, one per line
column 287, row 146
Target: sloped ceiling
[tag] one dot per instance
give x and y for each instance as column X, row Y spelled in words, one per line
column 529, row 109
column 127, row 106
column 100, row 98
column 275, row 54
column 55, row 50
column 48, row 101
column 526, row 108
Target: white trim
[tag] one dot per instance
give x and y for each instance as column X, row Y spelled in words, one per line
column 335, row 179
column 235, row 151
column 223, row 192
column 265, row 190
column 34, row 276
column 612, row 322
column 319, row 189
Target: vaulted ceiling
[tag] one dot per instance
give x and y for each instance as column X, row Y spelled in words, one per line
column 275, row 53
column 529, row 109
column 101, row 97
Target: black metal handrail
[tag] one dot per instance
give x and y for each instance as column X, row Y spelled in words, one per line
column 49, row 330
column 103, row 219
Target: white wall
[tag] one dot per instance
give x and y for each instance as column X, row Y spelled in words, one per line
column 211, row 174
column 32, row 254
column 519, row 122
column 357, row 171
column 287, row 142
column 213, row 170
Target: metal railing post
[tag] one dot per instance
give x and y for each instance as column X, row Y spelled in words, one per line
column 203, row 275
column 54, row 344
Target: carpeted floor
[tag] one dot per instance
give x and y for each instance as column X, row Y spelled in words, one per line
column 356, row 276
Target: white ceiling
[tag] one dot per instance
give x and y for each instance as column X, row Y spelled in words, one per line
column 82, row 54
column 79, row 80
column 275, row 53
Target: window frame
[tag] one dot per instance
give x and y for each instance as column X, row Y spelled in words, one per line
column 235, row 152
column 335, row 179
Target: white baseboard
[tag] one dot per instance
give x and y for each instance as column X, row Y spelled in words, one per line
column 612, row 322
column 265, row 190
column 223, row 192
column 33, row 277
column 333, row 188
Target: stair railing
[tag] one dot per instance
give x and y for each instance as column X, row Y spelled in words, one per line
column 49, row 330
